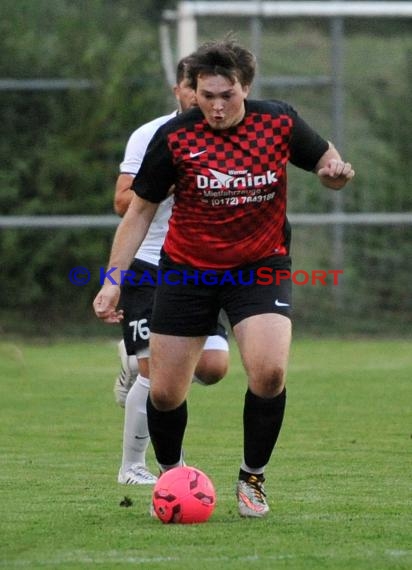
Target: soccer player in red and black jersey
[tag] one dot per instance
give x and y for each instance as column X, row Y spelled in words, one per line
column 227, row 161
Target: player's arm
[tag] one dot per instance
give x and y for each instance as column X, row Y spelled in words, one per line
column 128, row 237
column 123, row 193
column 133, row 157
column 312, row 152
column 333, row 172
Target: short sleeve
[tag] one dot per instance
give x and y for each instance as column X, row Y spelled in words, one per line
column 157, row 173
column 306, row 146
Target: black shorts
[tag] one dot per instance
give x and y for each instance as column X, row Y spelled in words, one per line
column 187, row 300
column 136, row 299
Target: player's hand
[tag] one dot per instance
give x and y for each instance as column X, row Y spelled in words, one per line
column 105, row 304
column 336, row 173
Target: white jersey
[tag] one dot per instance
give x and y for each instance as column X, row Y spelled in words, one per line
column 149, row 249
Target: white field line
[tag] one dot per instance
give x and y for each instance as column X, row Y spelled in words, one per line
column 119, row 557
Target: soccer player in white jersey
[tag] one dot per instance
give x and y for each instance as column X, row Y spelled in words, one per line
column 132, row 385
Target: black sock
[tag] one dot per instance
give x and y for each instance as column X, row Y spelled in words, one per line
column 166, row 432
column 244, row 476
column 262, row 421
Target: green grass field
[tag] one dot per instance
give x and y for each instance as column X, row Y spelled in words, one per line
column 339, row 483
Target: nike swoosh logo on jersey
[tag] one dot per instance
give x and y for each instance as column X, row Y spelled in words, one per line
column 280, row 304
column 194, row 154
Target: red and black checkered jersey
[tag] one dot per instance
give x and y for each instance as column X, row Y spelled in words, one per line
column 230, row 185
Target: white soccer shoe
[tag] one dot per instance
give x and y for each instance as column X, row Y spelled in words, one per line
column 126, row 378
column 137, row 474
column 252, row 497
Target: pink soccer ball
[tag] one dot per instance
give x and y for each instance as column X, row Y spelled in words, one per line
column 184, row 495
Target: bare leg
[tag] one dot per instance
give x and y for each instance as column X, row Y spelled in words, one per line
column 172, row 364
column 264, row 342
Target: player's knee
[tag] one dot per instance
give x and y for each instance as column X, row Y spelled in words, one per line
column 212, row 367
column 276, row 379
column 165, row 400
column 209, row 377
column 270, row 383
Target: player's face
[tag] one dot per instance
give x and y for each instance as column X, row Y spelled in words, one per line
column 185, row 95
column 221, row 102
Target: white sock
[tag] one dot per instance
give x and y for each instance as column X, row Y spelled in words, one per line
column 253, row 471
column 135, row 433
column 132, row 363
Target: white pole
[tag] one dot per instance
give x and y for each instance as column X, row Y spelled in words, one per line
column 186, row 30
column 293, row 9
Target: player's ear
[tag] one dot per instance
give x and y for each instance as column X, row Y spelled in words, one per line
column 246, row 90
